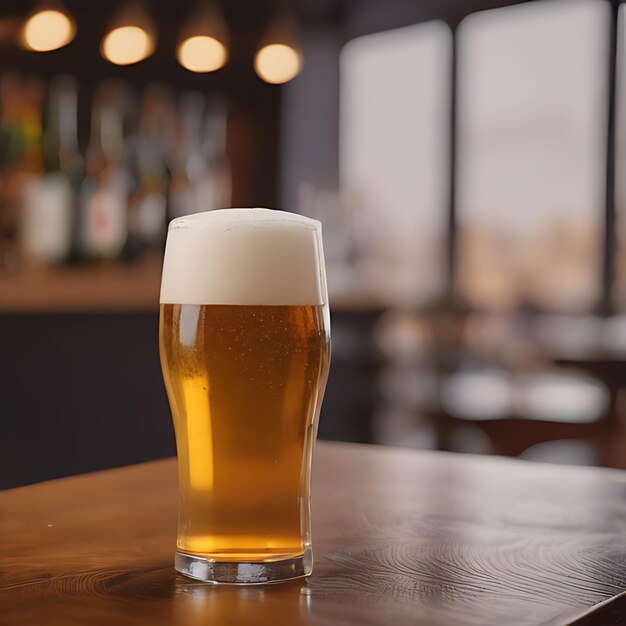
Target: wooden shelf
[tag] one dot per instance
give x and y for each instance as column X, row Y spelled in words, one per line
column 107, row 288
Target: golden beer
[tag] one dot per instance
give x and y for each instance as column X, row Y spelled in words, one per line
column 245, row 383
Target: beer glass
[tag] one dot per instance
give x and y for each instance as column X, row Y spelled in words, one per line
column 245, row 348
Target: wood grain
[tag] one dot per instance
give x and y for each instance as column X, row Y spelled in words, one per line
column 400, row 537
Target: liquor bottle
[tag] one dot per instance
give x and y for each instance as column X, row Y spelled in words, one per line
column 103, row 196
column 35, row 244
column 214, row 150
column 11, row 161
column 71, row 161
column 49, row 200
column 200, row 169
column 147, row 212
column 187, row 165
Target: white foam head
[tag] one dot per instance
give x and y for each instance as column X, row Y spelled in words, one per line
column 244, row 256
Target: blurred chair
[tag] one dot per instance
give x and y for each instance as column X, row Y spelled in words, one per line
column 519, row 412
column 518, row 404
column 505, row 395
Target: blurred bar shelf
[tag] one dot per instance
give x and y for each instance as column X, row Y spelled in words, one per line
column 113, row 288
column 91, row 289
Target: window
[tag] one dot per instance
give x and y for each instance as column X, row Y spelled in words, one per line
column 394, row 124
column 532, row 154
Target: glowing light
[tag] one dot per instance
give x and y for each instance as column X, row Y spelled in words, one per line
column 277, row 63
column 47, row 30
column 201, row 53
column 126, row 45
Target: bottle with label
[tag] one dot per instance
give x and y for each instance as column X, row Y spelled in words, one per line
column 103, row 196
column 11, row 163
column 214, row 150
column 33, row 224
column 49, row 200
column 188, row 169
column 200, row 170
column 147, row 212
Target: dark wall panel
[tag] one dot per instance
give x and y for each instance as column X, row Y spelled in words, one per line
column 79, row 393
column 84, row 392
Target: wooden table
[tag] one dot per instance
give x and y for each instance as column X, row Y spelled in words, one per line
column 400, row 537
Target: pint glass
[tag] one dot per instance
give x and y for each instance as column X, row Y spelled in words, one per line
column 245, row 348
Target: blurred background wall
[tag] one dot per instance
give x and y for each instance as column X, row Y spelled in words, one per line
column 464, row 157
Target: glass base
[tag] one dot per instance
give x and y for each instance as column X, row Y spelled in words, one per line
column 244, row 573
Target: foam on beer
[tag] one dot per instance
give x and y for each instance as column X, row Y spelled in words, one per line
column 245, row 257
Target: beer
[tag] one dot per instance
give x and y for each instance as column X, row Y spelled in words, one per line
column 245, row 354
column 244, row 382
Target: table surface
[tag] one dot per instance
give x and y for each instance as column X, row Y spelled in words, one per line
column 400, row 537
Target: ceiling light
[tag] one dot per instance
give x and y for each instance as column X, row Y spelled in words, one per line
column 279, row 59
column 202, row 42
column 277, row 63
column 130, row 39
column 48, row 27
